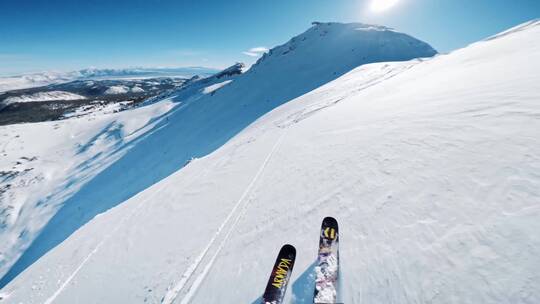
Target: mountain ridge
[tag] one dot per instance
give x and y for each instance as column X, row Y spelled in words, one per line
column 24, row 81
column 401, row 153
column 198, row 120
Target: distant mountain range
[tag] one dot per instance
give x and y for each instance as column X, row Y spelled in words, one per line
column 80, row 97
column 104, row 91
column 16, row 82
column 430, row 162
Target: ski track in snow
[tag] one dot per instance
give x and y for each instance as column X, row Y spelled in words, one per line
column 292, row 67
column 434, row 179
column 94, row 251
column 173, row 293
column 134, row 213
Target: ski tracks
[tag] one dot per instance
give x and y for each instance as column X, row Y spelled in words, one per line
column 94, row 251
column 124, row 219
column 229, row 224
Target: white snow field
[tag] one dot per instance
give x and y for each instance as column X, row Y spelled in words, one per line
column 44, row 96
column 139, row 155
column 431, row 167
column 117, row 90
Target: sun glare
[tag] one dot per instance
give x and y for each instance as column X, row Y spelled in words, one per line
column 382, row 5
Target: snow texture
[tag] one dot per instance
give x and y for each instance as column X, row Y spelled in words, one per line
column 429, row 165
column 212, row 88
column 199, row 124
column 44, row 96
column 117, row 90
column 121, row 89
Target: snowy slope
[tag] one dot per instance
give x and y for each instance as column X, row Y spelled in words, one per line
column 201, row 124
column 433, row 179
column 216, row 117
column 44, row 164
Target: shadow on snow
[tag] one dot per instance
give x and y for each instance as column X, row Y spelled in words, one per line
column 302, row 289
column 199, row 127
column 191, row 130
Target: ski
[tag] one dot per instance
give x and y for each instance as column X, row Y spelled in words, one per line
column 281, row 273
column 327, row 266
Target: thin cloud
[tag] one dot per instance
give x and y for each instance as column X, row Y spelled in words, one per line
column 250, row 54
column 256, row 51
column 260, row 49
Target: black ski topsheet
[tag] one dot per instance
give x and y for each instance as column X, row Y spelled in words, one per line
column 327, row 266
column 281, row 273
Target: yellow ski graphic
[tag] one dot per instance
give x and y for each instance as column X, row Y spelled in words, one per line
column 330, row 233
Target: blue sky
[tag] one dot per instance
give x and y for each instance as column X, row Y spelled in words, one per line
column 72, row 34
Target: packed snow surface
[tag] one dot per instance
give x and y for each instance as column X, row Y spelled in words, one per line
column 430, row 166
column 44, row 96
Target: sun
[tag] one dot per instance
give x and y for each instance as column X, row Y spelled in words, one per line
column 382, row 5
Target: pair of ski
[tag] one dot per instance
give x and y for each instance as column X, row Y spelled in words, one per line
column 326, row 269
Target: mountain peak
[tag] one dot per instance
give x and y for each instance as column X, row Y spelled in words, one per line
column 353, row 25
column 331, row 49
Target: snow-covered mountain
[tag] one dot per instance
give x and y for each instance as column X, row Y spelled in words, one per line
column 82, row 97
column 44, row 96
column 130, row 73
column 433, row 179
column 46, row 78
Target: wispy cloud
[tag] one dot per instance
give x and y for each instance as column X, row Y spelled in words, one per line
column 256, row 51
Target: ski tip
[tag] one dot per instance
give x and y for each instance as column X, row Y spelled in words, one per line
column 288, row 248
column 330, row 220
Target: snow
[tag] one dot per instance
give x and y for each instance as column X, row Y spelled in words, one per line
column 98, row 108
column 121, row 89
column 212, row 88
column 525, row 26
column 433, row 179
column 137, row 89
column 44, row 96
column 53, row 159
column 325, row 279
column 8, row 83
column 117, row 90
